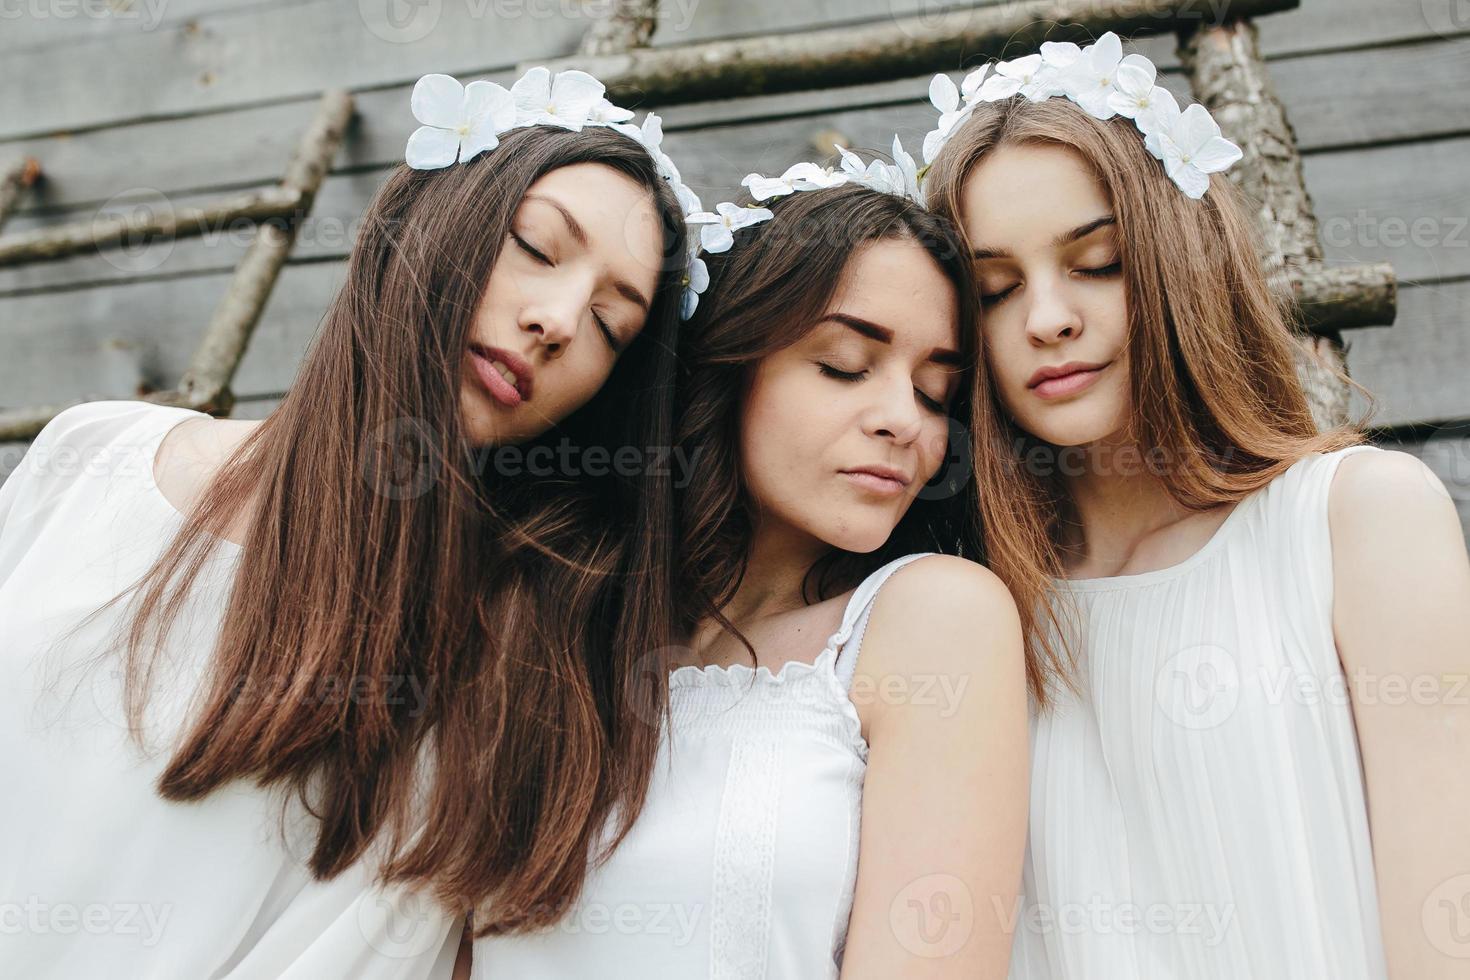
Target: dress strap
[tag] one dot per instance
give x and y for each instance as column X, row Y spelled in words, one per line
column 855, row 618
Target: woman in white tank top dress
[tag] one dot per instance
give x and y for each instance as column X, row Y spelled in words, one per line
column 852, row 800
column 1253, row 763
column 330, row 643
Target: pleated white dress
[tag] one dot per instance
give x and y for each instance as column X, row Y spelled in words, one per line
column 1199, row 812
column 743, row 862
column 99, row 876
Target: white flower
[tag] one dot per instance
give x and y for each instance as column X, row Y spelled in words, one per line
column 650, row 134
column 688, row 200
column 1060, row 54
column 956, row 104
column 764, row 188
column 695, row 283
column 798, row 177
column 717, row 231
column 604, row 113
column 1089, row 80
column 1151, row 110
column 1028, row 76
column 810, row 177
column 909, row 171
column 459, row 121
column 899, row 178
column 568, row 100
column 1192, row 148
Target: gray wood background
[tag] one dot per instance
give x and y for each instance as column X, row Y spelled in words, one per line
column 156, row 103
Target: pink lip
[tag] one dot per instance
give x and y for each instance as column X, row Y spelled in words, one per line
column 879, row 479
column 1068, row 379
column 502, row 390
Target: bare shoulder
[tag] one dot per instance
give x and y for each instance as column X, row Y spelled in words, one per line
column 192, row 452
column 941, row 608
column 1369, row 489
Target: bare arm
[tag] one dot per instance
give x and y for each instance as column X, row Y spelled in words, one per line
column 1401, row 615
column 945, row 796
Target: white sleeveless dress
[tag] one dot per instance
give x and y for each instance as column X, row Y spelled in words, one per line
column 99, row 876
column 743, row 861
column 1199, row 813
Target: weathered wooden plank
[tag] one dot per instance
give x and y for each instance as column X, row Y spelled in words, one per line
column 1412, row 91
column 55, row 25
column 112, row 342
column 283, row 52
column 1417, row 368
column 1408, row 204
column 108, row 341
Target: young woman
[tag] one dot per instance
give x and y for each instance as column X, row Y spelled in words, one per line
column 253, row 670
column 814, row 809
column 1266, row 624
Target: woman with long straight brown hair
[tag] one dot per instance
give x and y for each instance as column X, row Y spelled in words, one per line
column 1234, row 603
column 814, row 810
column 283, row 699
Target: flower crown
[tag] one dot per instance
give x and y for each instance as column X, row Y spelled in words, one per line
column 1105, row 84
column 459, row 122
column 717, row 228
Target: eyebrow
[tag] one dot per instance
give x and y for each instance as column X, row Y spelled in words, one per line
column 1065, row 238
column 939, row 355
column 579, row 235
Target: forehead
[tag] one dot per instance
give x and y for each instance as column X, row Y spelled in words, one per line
column 618, row 214
column 1029, row 191
column 897, row 284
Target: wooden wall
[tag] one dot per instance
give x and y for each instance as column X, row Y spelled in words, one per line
column 157, row 103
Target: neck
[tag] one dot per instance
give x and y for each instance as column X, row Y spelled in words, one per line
column 1116, row 503
column 777, row 564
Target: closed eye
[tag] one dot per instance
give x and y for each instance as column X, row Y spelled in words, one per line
column 531, row 250
column 607, row 332
column 1103, row 272
column 839, row 374
column 990, row 299
column 934, row 405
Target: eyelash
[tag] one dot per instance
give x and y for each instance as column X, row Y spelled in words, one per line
column 841, row 375
column 608, row 335
column 1102, row 272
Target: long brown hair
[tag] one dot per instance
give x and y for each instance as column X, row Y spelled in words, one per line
column 1214, row 388
column 765, row 294
column 382, row 551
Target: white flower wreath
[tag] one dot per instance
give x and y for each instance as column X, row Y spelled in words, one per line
column 1105, row 84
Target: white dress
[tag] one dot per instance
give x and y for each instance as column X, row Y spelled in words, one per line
column 1199, row 813
column 743, row 861
column 99, row 876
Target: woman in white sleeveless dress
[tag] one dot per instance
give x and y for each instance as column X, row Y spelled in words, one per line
column 841, row 782
column 1257, row 766
column 348, row 566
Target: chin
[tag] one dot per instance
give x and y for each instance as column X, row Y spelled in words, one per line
column 860, row 535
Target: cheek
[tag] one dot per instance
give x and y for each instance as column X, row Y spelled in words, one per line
column 1005, row 350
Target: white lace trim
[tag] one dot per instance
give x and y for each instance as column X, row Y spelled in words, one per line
column 745, row 861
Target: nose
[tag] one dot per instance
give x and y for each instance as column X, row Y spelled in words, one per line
column 553, row 322
column 894, row 412
column 1051, row 317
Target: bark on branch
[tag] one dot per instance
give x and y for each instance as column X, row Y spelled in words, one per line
column 15, row 176
column 1229, row 76
column 111, row 231
column 901, row 47
column 628, row 24
column 206, row 384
